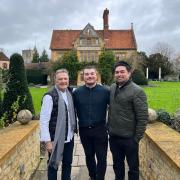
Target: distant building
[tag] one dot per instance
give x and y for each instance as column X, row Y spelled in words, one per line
column 4, row 61
column 89, row 42
column 27, row 56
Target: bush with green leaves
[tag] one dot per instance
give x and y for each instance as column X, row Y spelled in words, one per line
column 164, row 116
column 16, row 87
column 106, row 63
column 1, row 87
column 176, row 120
column 70, row 62
column 0, row 103
column 139, row 78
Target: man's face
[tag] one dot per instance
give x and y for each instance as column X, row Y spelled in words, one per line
column 90, row 76
column 62, row 81
column 121, row 74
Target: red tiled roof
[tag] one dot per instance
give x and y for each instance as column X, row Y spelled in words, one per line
column 63, row 39
column 117, row 39
column 3, row 57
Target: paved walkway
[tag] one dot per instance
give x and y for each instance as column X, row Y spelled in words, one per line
column 79, row 169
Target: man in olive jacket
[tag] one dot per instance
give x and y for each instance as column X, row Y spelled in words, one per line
column 128, row 116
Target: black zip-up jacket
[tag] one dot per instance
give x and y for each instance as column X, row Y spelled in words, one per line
column 91, row 105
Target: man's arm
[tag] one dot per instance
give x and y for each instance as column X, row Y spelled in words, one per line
column 141, row 114
column 45, row 116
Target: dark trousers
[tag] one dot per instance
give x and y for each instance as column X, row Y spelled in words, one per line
column 95, row 142
column 66, row 163
column 121, row 148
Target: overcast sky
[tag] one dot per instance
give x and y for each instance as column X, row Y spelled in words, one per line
column 24, row 23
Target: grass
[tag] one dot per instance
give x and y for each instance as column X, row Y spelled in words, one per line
column 161, row 95
column 164, row 95
column 37, row 94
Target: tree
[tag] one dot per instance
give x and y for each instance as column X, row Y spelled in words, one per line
column 68, row 61
column 35, row 56
column 138, row 60
column 16, row 95
column 1, row 81
column 176, row 65
column 157, row 61
column 106, row 62
column 164, row 49
column 44, row 56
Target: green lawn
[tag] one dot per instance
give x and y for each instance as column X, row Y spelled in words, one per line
column 37, row 94
column 164, row 95
column 161, row 95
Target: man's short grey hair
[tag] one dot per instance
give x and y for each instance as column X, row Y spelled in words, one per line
column 62, row 71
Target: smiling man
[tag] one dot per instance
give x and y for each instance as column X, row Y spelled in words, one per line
column 128, row 116
column 91, row 102
column 57, row 126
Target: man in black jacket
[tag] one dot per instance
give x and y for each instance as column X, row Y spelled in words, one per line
column 128, row 116
column 91, row 102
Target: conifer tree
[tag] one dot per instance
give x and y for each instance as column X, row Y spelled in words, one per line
column 16, row 92
column 44, row 56
column 35, row 56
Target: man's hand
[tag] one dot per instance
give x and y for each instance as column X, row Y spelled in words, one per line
column 49, row 146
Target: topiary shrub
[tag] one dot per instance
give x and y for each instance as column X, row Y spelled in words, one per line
column 17, row 95
column 139, row 78
column 164, row 116
column 176, row 120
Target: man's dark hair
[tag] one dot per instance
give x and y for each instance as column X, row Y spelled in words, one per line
column 122, row 63
column 90, row 67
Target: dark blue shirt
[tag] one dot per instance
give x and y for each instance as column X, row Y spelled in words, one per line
column 91, row 105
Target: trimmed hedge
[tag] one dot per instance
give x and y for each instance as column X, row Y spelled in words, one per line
column 36, row 76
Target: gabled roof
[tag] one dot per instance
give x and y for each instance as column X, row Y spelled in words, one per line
column 3, row 57
column 117, row 39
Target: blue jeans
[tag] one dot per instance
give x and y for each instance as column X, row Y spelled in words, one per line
column 66, row 163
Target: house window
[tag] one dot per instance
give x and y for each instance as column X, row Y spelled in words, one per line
column 4, row 65
column 120, row 56
column 88, row 56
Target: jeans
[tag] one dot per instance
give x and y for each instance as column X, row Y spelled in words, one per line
column 66, row 163
column 95, row 143
column 121, row 148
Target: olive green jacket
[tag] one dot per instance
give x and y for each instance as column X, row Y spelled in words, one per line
column 128, row 111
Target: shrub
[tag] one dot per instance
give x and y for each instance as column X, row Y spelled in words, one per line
column 139, row 78
column 16, row 89
column 176, row 121
column 0, row 103
column 164, row 117
column 36, row 76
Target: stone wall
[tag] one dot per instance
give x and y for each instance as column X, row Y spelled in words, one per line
column 19, row 151
column 160, row 153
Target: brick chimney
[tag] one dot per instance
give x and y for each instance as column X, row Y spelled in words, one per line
column 105, row 19
column 106, row 24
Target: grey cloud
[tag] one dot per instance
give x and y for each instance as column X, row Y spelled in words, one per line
column 24, row 22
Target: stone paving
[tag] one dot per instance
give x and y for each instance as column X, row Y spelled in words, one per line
column 79, row 169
